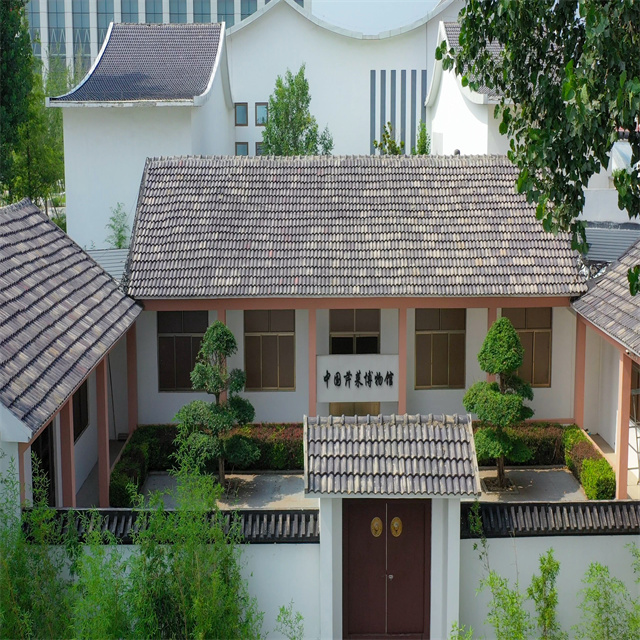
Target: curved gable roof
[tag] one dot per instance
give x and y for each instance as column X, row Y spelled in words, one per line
column 150, row 62
column 60, row 313
column 331, row 226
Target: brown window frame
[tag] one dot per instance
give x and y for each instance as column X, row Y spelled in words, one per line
column 535, row 332
column 80, row 404
column 257, row 145
column 182, row 334
column 278, row 335
column 261, row 104
column 235, row 113
column 449, row 333
column 244, row 155
column 355, row 334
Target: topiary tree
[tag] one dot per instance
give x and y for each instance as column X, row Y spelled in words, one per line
column 500, row 403
column 202, row 424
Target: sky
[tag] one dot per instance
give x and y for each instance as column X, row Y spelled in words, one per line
column 371, row 16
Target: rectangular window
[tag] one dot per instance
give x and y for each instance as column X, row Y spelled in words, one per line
column 179, row 337
column 57, row 37
column 534, row 328
column 202, row 11
column 300, row 2
column 635, row 394
column 247, row 7
column 154, row 11
column 259, row 147
column 81, row 35
column 226, row 12
column 242, row 148
column 269, row 350
column 177, row 11
column 354, row 331
column 262, row 111
column 130, row 11
column 80, row 404
column 440, row 348
column 33, row 15
column 105, row 17
column 242, row 114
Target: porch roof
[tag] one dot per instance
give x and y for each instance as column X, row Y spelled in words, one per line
column 331, row 226
column 60, row 313
column 610, row 306
column 423, row 455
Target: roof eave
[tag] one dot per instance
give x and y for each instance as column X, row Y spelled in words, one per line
column 187, row 102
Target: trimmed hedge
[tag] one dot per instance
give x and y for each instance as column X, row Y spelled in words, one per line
column 150, row 448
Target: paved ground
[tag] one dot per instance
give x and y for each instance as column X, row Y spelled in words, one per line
column 286, row 491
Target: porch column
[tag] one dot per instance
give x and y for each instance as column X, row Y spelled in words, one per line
column 402, row 361
column 104, row 465
column 22, row 449
column 492, row 316
column 222, row 317
column 313, row 388
column 578, row 392
column 132, row 379
column 67, row 455
column 622, row 431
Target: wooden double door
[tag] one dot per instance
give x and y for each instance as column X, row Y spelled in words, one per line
column 386, row 568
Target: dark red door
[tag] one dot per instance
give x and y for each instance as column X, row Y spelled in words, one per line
column 386, row 564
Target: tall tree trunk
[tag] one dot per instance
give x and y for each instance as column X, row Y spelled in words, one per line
column 502, row 479
column 221, row 471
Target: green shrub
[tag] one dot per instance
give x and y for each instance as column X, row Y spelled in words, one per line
column 598, row 479
column 280, row 445
column 240, row 450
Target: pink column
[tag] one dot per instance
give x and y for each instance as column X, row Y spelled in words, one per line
column 104, row 465
column 578, row 394
column 22, row 449
column 622, row 431
column 491, row 318
column 132, row 379
column 313, row 389
column 67, row 455
column 402, row 361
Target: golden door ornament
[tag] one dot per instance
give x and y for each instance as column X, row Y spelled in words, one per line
column 396, row 527
column 376, row 527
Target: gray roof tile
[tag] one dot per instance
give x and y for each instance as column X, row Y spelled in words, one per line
column 59, row 314
column 113, row 261
column 151, row 62
column 610, row 306
column 330, row 226
column 391, row 457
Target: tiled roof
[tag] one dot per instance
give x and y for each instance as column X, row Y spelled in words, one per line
column 610, row 306
column 155, row 62
column 390, row 455
column 255, row 526
column 59, row 314
column 528, row 519
column 331, row 226
column 608, row 243
column 452, row 31
column 113, row 261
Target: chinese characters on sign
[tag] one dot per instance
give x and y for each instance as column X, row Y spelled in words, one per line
column 367, row 379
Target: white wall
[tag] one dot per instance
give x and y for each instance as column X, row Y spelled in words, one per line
column 105, row 150
column 277, row 406
column 517, row 559
column 601, row 205
column 280, row 573
column 497, row 143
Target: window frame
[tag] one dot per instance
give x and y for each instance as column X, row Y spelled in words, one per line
column 258, row 151
column 235, row 112
column 278, row 335
column 432, row 332
column 535, row 331
column 261, row 104
column 238, row 144
column 182, row 334
column 355, row 334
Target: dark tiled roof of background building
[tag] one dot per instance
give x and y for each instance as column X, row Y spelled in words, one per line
column 610, row 306
column 390, row 455
column 529, row 519
column 59, row 314
column 452, row 31
column 330, row 226
column 113, row 261
column 154, row 62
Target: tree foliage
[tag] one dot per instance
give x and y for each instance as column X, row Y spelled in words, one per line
column 568, row 77
column 423, row 141
column 118, row 227
column 501, row 403
column 16, row 78
column 202, row 424
column 388, row 146
column 291, row 130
